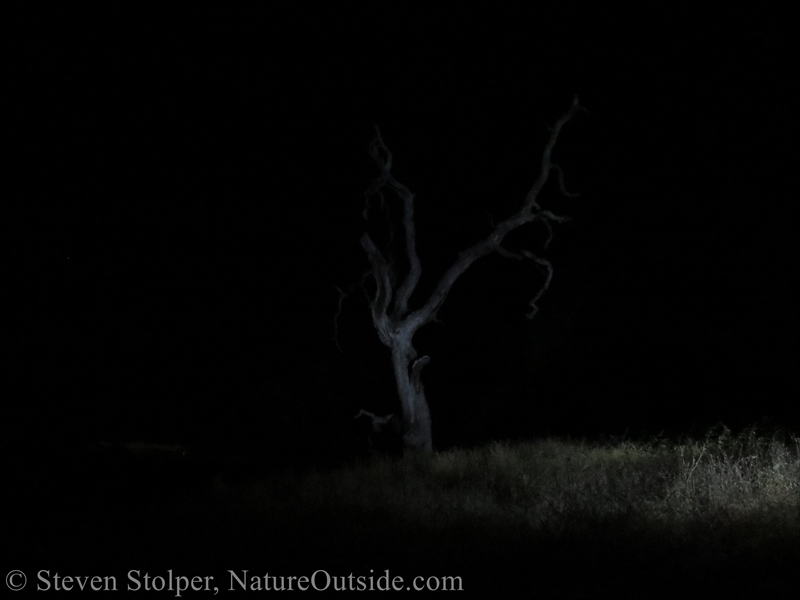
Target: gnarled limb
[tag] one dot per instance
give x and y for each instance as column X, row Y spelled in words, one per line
column 396, row 323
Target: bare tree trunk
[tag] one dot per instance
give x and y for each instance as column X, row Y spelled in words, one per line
column 395, row 323
column 414, row 406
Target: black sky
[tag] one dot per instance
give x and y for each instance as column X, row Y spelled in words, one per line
column 184, row 192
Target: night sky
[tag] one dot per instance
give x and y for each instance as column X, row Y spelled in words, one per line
column 184, row 189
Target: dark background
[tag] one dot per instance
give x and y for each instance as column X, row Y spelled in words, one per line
column 184, row 186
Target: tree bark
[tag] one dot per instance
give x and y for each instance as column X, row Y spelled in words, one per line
column 417, row 434
column 395, row 323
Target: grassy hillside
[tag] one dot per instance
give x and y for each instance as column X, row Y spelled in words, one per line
column 711, row 517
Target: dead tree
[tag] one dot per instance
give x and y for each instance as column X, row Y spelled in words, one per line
column 396, row 322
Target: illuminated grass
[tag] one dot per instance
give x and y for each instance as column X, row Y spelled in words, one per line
column 554, row 485
column 717, row 516
column 720, row 512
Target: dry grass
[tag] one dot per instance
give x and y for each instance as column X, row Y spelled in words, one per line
column 712, row 517
column 718, row 509
column 556, row 485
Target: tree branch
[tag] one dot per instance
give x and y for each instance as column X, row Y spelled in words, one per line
column 400, row 317
column 530, row 199
column 383, row 287
column 530, row 211
column 377, row 150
